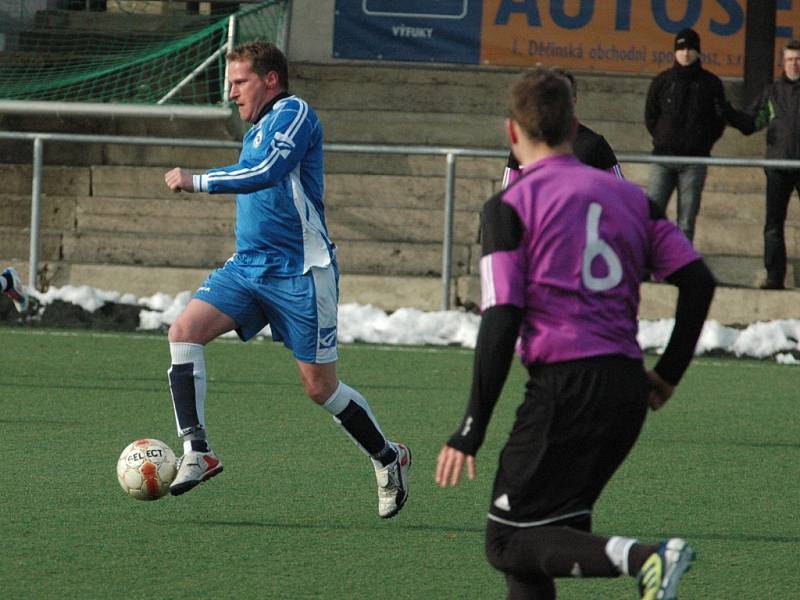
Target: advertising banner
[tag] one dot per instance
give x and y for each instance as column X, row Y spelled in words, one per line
column 415, row 30
column 624, row 36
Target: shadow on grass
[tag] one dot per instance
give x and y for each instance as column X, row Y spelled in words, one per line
column 326, row 526
column 38, row 421
column 217, row 384
column 744, row 444
column 725, row 537
column 432, row 528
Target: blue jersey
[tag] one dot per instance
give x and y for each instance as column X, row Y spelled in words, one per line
column 278, row 182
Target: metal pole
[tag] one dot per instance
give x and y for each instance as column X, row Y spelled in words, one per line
column 36, row 201
column 226, row 87
column 283, row 33
column 101, row 109
column 447, row 241
column 198, row 69
column 759, row 47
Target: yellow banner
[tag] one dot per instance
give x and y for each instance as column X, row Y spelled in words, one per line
column 626, row 36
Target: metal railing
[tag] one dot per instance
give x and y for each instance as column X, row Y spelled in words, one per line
column 451, row 155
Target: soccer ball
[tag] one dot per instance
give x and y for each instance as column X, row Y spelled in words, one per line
column 146, row 468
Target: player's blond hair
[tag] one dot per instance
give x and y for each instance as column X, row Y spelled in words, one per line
column 264, row 57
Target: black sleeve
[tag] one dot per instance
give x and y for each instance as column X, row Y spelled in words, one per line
column 494, row 351
column 501, row 228
column 512, row 163
column 695, row 291
column 739, row 119
column 652, row 110
column 752, row 118
column 604, row 157
column 717, row 116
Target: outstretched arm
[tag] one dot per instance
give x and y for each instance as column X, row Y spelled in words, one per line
column 279, row 145
column 494, row 352
column 754, row 118
column 503, row 266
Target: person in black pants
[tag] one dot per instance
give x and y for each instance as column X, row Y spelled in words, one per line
column 563, row 248
column 777, row 109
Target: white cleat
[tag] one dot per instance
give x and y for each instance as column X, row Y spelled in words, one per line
column 393, row 483
column 194, row 468
column 16, row 291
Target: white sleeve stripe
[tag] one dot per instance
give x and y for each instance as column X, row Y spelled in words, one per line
column 506, row 174
column 488, row 295
column 618, row 171
column 267, row 163
column 298, row 120
column 263, row 166
column 199, row 182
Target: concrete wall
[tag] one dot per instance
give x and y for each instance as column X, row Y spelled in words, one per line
column 311, row 32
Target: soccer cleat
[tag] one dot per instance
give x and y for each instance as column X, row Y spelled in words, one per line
column 16, row 291
column 662, row 571
column 193, row 468
column 393, row 483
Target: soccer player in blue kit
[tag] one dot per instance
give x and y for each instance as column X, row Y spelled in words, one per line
column 283, row 274
column 563, row 251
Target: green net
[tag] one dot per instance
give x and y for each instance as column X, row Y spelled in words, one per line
column 153, row 55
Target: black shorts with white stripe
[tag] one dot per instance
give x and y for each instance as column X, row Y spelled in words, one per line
column 576, row 425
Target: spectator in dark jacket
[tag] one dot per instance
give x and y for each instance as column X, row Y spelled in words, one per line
column 683, row 114
column 778, row 109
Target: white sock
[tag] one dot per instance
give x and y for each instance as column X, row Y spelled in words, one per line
column 182, row 353
column 617, row 550
column 337, row 402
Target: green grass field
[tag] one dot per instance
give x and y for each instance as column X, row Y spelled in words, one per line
column 294, row 513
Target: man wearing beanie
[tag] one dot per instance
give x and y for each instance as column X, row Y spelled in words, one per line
column 683, row 115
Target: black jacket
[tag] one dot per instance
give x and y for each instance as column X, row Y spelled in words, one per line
column 589, row 147
column 683, row 111
column 778, row 109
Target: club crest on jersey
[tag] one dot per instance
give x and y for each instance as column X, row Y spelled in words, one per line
column 258, row 139
column 327, row 337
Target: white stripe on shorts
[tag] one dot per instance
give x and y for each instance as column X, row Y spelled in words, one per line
column 327, row 296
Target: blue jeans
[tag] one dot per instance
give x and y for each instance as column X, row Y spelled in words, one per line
column 688, row 180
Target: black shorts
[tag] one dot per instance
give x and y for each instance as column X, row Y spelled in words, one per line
column 576, row 425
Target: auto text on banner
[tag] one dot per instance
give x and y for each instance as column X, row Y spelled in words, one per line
column 620, row 35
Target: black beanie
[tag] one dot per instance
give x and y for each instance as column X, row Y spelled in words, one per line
column 687, row 38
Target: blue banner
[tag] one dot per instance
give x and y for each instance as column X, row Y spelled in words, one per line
column 413, row 30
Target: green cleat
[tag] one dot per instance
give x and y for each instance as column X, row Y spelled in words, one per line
column 662, row 571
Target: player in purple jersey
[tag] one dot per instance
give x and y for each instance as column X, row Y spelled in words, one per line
column 563, row 250
column 589, row 147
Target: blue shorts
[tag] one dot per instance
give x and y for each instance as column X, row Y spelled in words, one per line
column 301, row 311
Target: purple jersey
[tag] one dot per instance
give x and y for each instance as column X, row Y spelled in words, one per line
column 569, row 245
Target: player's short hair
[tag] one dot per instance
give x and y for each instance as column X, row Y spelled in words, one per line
column 793, row 44
column 264, row 57
column 541, row 103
